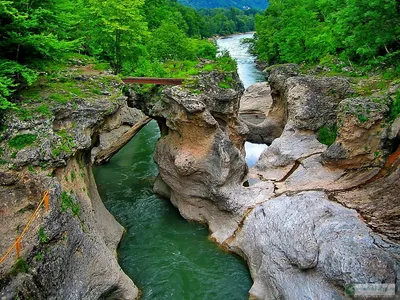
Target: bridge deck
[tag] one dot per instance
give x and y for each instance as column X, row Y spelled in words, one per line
column 151, row 80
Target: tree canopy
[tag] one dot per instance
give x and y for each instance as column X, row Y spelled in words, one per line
column 365, row 32
column 259, row 4
column 133, row 36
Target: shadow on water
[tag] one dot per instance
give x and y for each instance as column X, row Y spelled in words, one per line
column 166, row 256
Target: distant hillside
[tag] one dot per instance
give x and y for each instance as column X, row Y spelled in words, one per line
column 260, row 4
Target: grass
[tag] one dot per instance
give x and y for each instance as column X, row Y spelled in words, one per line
column 20, row 266
column 44, row 110
column 369, row 86
column 362, row 118
column 226, row 83
column 43, row 236
column 62, row 98
column 73, row 176
column 21, row 141
column 67, row 203
column 327, row 134
column 395, row 107
column 102, row 67
column 67, row 144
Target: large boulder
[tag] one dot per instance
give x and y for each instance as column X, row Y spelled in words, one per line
column 304, row 246
column 308, row 102
column 276, row 162
column 362, row 139
column 256, row 99
column 200, row 151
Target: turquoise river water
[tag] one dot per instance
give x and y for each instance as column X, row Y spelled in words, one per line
column 166, row 256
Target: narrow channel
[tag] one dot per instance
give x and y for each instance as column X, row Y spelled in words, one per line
column 166, row 256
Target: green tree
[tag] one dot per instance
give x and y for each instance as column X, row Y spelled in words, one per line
column 115, row 29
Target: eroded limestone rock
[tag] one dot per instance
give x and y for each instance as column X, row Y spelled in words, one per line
column 362, row 139
column 305, row 246
column 298, row 243
column 70, row 250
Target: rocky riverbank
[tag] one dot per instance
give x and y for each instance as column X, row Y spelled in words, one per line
column 70, row 251
column 293, row 224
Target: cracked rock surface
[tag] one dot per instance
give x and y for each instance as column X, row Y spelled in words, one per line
column 306, row 226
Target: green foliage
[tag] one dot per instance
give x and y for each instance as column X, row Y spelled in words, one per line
column 133, row 37
column 226, row 83
column 43, row 236
column 67, row 202
column 395, row 107
column 66, row 144
column 261, row 4
column 327, row 134
column 20, row 266
column 21, row 141
column 12, row 74
column 39, row 256
column 362, row 118
column 307, row 30
column 224, row 21
column 226, row 63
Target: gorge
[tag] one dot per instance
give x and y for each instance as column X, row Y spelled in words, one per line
column 307, row 218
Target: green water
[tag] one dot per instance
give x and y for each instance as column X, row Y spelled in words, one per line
column 166, row 256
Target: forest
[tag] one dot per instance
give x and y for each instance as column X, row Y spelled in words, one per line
column 135, row 37
column 258, row 4
column 356, row 32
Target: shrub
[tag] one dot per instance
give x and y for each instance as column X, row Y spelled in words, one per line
column 327, row 134
column 395, row 107
column 67, row 202
column 21, row 141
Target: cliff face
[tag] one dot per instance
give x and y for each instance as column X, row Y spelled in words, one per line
column 70, row 251
column 289, row 224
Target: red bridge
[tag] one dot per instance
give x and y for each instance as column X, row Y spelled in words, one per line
column 146, row 80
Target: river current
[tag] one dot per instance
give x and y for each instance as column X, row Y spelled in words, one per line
column 168, row 257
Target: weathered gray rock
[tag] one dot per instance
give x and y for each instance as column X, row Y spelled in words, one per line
column 298, row 244
column 254, row 106
column 362, row 139
column 394, row 132
column 291, row 147
column 306, row 101
column 378, row 202
column 304, row 246
column 256, row 99
column 77, row 259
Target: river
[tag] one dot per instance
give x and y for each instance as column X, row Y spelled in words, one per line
column 166, row 256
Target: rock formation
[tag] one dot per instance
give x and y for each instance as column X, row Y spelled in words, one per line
column 289, row 224
column 70, row 251
column 254, row 107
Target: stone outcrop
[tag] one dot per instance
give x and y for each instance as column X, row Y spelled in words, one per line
column 70, row 251
column 362, row 139
column 255, row 105
column 289, row 224
column 256, row 99
column 303, row 246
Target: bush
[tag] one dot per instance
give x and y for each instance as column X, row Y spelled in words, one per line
column 21, row 141
column 395, row 107
column 327, row 134
column 67, row 202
